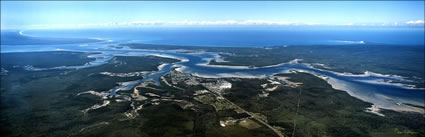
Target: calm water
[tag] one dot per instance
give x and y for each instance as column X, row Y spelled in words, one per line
column 247, row 37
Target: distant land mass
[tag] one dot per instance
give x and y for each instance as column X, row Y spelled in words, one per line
column 15, row 37
column 70, row 86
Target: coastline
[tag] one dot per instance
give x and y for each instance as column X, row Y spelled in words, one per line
column 206, row 58
column 115, row 94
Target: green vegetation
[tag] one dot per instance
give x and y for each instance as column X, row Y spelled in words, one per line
column 45, row 103
column 400, row 60
column 218, row 104
column 323, row 111
column 44, row 59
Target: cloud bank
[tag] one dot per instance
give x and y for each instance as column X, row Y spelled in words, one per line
column 416, row 22
column 217, row 23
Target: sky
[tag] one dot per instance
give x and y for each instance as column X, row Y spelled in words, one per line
column 62, row 14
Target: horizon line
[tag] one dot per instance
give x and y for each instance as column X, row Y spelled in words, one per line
column 218, row 23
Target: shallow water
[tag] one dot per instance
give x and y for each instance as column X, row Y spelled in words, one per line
column 367, row 87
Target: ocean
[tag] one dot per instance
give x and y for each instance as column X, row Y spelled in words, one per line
column 244, row 37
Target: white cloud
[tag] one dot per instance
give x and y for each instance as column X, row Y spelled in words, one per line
column 147, row 23
column 347, row 24
column 221, row 22
column 182, row 23
column 416, row 22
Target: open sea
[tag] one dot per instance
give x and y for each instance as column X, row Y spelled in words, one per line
column 244, row 37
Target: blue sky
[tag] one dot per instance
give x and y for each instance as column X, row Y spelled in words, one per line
column 32, row 14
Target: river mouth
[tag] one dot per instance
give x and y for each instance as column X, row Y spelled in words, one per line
column 384, row 91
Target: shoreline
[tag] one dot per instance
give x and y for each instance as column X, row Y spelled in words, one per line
column 164, row 54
